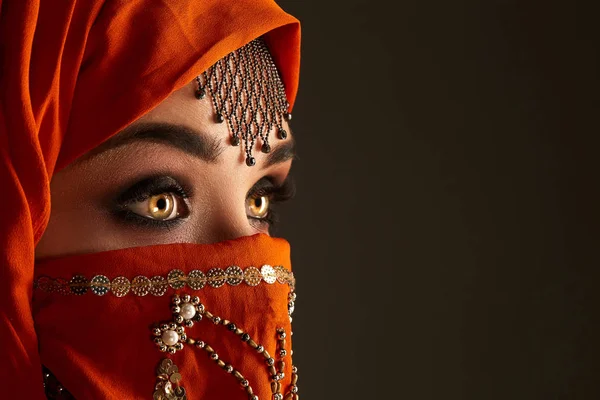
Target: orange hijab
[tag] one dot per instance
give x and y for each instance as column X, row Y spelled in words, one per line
column 71, row 76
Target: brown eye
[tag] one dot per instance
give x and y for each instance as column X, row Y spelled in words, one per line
column 257, row 207
column 162, row 207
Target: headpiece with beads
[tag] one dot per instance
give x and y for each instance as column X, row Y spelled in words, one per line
column 248, row 94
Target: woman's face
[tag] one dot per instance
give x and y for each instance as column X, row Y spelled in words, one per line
column 171, row 176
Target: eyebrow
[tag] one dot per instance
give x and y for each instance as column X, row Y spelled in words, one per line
column 189, row 140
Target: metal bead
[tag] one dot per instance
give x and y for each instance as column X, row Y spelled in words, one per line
column 214, row 356
column 186, row 298
column 200, row 94
column 265, row 148
column 245, row 337
column 231, row 327
column 228, row 368
column 250, row 161
column 260, row 349
column 282, row 134
column 288, row 116
column 219, row 118
column 270, row 361
column 235, row 140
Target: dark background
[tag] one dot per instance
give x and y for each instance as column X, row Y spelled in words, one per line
column 445, row 227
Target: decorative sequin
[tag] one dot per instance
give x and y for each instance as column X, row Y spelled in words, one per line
column 235, row 275
column 120, row 286
column 196, row 279
column 176, row 279
column 140, row 285
column 100, row 285
column 44, row 283
column 159, row 285
column 252, row 276
column 281, row 273
column 268, row 274
column 79, row 285
column 167, row 375
column 216, row 277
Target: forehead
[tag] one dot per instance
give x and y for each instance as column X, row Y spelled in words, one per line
column 246, row 96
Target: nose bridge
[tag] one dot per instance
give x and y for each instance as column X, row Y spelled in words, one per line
column 229, row 220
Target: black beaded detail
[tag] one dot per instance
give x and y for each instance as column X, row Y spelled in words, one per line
column 247, row 93
column 200, row 94
column 54, row 390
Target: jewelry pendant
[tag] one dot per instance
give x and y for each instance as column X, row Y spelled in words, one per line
column 167, row 382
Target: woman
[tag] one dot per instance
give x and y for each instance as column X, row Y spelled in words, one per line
column 142, row 144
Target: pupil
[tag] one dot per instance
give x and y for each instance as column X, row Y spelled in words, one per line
column 258, row 202
column 161, row 204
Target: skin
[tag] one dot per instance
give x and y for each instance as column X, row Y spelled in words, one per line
column 83, row 219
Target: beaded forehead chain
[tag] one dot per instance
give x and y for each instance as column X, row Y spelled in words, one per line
column 248, row 94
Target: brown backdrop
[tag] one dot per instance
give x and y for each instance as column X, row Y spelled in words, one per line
column 444, row 229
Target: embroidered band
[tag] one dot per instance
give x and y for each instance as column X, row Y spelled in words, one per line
column 158, row 285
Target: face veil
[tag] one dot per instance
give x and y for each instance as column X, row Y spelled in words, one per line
column 72, row 77
column 107, row 321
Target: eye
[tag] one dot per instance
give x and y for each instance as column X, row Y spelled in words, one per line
column 257, row 207
column 161, row 207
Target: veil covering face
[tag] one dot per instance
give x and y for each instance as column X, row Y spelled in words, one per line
column 72, row 74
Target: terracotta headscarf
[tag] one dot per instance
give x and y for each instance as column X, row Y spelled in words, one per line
column 72, row 75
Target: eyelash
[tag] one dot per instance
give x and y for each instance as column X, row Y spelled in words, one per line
column 143, row 190
column 148, row 187
column 276, row 194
